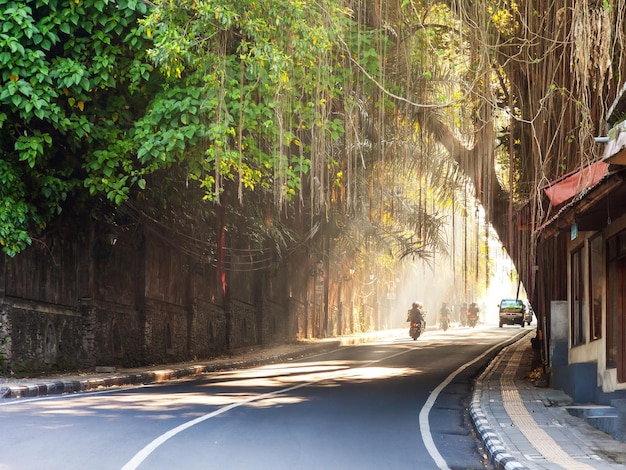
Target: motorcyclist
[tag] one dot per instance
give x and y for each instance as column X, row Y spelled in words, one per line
column 416, row 314
column 473, row 311
column 444, row 313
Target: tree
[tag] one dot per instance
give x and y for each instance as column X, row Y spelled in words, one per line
column 296, row 98
column 554, row 69
column 267, row 83
column 74, row 78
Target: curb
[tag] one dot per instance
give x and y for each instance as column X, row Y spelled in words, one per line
column 49, row 386
column 494, row 447
column 57, row 387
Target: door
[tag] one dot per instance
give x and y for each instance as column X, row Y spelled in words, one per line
column 616, row 305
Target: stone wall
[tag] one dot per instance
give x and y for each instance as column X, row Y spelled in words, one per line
column 209, row 330
column 243, row 325
column 41, row 336
column 81, row 304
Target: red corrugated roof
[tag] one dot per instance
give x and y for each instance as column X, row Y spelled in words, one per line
column 572, row 184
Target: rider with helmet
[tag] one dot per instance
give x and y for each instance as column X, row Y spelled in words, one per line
column 416, row 314
column 444, row 315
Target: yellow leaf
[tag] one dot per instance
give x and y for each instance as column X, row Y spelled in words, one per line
column 81, row 105
column 14, row 78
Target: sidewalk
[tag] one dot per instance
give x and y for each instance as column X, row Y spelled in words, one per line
column 527, row 427
column 520, row 425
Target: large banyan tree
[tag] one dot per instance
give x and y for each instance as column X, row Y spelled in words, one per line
column 514, row 91
column 550, row 71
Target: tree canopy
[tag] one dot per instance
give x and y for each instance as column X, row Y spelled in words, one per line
column 75, row 77
column 370, row 113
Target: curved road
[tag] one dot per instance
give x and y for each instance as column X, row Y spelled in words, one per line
column 398, row 404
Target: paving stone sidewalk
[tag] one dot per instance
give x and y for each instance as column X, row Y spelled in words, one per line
column 524, row 426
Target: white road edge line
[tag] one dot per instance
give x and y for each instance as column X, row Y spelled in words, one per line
column 427, row 437
column 152, row 446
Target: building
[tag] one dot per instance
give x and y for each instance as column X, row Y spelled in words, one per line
column 586, row 331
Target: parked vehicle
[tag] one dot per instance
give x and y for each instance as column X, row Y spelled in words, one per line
column 415, row 330
column 513, row 312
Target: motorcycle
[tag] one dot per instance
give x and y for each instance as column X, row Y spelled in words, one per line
column 415, row 330
column 444, row 323
column 472, row 319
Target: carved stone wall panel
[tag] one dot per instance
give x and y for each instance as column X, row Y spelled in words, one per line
column 42, row 337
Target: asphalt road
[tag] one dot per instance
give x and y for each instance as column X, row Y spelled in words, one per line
column 399, row 404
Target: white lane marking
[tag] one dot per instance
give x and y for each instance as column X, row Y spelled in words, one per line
column 147, row 450
column 423, row 417
column 152, row 446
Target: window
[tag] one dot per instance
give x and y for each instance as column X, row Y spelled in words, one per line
column 577, row 314
column 595, row 287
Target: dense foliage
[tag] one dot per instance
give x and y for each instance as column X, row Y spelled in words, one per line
column 248, row 88
column 74, row 77
column 258, row 93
